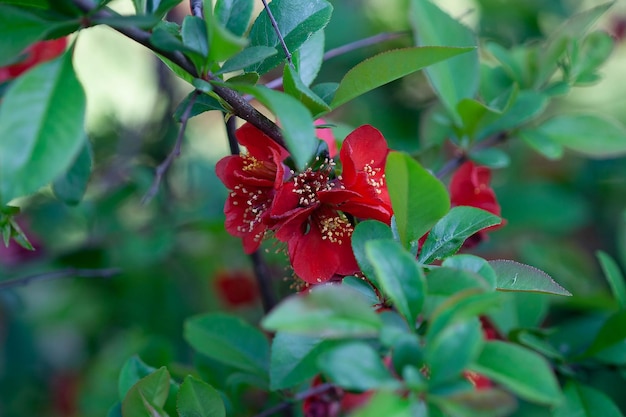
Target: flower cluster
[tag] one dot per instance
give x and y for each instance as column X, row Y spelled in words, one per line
column 33, row 55
column 312, row 211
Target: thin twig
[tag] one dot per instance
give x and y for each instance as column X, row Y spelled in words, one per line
column 63, row 273
column 197, row 8
column 319, row 389
column 175, row 153
column 455, row 162
column 277, row 30
column 361, row 43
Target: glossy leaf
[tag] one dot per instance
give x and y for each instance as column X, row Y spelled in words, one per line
column 356, row 366
column 71, row 186
column 585, row 401
column 327, row 311
column 398, row 275
column 247, row 57
column 229, row 340
column 456, row 78
column 234, row 15
column 294, row 86
column 297, row 21
column 389, row 66
column 41, row 125
column 590, row 135
column 447, row 236
column 614, row 276
column 448, row 281
column 310, row 56
column 196, row 398
column 472, row 263
column 223, row 44
column 363, row 232
column 194, row 34
column 514, row 276
column 148, row 395
column 295, row 121
column 418, row 199
column 524, row 372
column 18, row 30
column 293, row 359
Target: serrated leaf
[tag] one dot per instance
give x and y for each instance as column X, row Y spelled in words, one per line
column 614, row 276
column 389, row 66
column 514, row 276
column 42, row 127
column 418, row 199
column 196, row 398
column 229, row 340
column 399, row 276
column 328, row 311
column 448, row 234
column 132, row 371
column 524, row 372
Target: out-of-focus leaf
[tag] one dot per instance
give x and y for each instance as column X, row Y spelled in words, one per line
column 526, row 106
column 477, row 403
column 456, row 78
column 356, row 366
column 542, row 143
column 223, row 44
column 593, row 136
column 614, row 277
column 148, row 395
column 490, row 157
column 419, row 199
column 389, row 66
column 398, row 275
column 327, row 311
column 365, row 231
column 514, row 276
column 41, row 126
column 326, row 91
column 19, row 29
column 585, row 401
column 388, row 404
column 293, row 359
column 247, row 57
column 196, row 398
column 524, row 372
column 519, row 310
column 234, row 15
column 448, row 281
column 229, row 340
column 71, row 186
column 612, row 332
column 594, row 51
column 461, row 307
column 297, row 20
column 448, row 234
column 119, row 21
column 133, row 370
column 363, row 287
column 472, row 113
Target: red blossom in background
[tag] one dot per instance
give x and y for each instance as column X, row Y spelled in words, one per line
column 236, row 288
column 326, row 134
column 33, row 55
column 470, row 186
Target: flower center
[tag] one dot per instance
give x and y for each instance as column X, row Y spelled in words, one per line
column 373, row 178
column 261, row 169
column 335, row 228
column 309, row 182
column 257, row 203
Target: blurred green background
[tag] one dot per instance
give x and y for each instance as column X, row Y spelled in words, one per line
column 63, row 342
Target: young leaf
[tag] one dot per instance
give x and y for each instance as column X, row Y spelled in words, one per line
column 399, row 276
column 574, row 132
column 328, row 311
column 456, row 78
column 363, row 232
column 18, row 30
column 614, row 277
column 293, row 359
column 196, row 398
column 297, row 20
column 389, row 66
column 41, row 126
column 417, row 197
column 71, row 186
column 524, row 372
column 148, row 395
column 514, row 276
column 229, row 340
column 584, row 401
column 234, row 15
column 448, row 235
column 356, row 366
column 133, row 370
column 247, row 57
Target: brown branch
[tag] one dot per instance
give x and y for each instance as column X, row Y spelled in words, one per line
column 361, row 43
column 63, row 273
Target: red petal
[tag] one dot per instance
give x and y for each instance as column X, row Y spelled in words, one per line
column 326, row 134
column 469, row 186
column 364, row 146
column 259, row 145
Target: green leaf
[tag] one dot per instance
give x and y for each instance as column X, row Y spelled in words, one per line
column 18, row 30
column 519, row 310
column 159, row 8
column 328, row 311
column 526, row 107
column 71, row 186
column 456, row 78
column 418, row 199
column 452, row 350
column 310, row 56
column 448, row 281
column 356, row 366
column 472, row 263
column 448, row 235
column 223, row 44
column 247, row 57
column 122, row 22
column 194, row 34
column 363, row 232
column 614, row 277
column 202, row 103
column 295, row 121
column 398, row 275
column 386, row 404
column 472, row 113
column 293, row 360
column 41, row 126
column 524, row 372
column 297, row 21
column 592, row 136
column 196, row 398
column 513, row 276
column 133, row 370
column 229, row 340
column 460, row 307
column 477, row 403
column 389, row 66
column 542, row 143
column 234, row 15
column 148, row 395
column 584, row 401
column 596, row 48
column 613, row 332
column 294, row 86
column 490, row 157
column 362, row 286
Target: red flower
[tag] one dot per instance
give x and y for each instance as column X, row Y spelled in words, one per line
column 252, row 179
column 311, row 212
column 326, row 134
column 470, row 186
column 237, row 288
column 34, row 54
